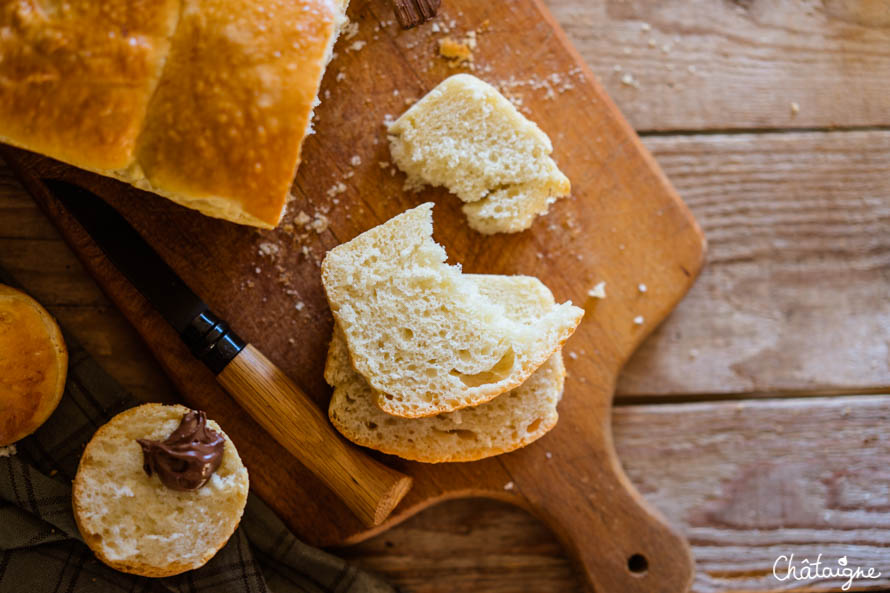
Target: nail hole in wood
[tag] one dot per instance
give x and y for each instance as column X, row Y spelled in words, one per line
column 637, row 565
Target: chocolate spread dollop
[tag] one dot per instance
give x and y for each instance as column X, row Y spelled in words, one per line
column 188, row 457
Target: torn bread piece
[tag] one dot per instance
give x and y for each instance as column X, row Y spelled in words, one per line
column 508, row 422
column 423, row 335
column 466, row 136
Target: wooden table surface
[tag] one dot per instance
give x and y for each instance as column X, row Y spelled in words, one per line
column 755, row 417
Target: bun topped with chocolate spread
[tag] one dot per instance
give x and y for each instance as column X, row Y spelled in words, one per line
column 159, row 490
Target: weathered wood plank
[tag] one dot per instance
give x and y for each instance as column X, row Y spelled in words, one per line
column 747, row 482
column 719, row 65
column 795, row 293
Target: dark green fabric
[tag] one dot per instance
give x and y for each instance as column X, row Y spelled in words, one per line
column 42, row 552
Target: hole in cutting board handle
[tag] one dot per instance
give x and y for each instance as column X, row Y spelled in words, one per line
column 637, row 564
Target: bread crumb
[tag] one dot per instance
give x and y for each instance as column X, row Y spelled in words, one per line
column 350, row 30
column 268, row 249
column 628, row 80
column 257, row 270
column 8, row 451
column 572, row 355
column 508, row 486
column 335, row 189
column 458, row 52
column 355, row 161
column 598, row 291
column 638, row 320
column 299, row 305
column 341, row 76
column 795, row 108
column 548, row 454
column 320, row 223
column 645, row 27
column 357, row 45
column 651, row 42
column 302, row 218
column 693, row 353
column 642, row 287
column 383, row 164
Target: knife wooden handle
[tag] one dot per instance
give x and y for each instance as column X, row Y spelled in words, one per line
column 368, row 487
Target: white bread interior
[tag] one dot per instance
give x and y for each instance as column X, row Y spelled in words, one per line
column 423, row 336
column 509, row 421
column 466, row 136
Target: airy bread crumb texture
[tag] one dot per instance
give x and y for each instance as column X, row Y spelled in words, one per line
column 133, row 522
column 425, row 337
column 507, row 422
column 465, row 136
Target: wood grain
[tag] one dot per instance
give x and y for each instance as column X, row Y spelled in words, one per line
column 734, row 65
column 795, row 294
column 757, row 57
column 748, row 482
column 267, row 285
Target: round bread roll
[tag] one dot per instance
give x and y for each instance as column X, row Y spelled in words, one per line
column 136, row 524
column 33, row 365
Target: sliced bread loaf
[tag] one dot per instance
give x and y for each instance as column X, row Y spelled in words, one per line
column 466, row 136
column 509, row 421
column 423, row 336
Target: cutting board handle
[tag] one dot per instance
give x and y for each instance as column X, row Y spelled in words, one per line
column 369, row 488
column 621, row 544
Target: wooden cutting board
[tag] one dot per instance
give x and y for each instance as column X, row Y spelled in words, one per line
column 624, row 225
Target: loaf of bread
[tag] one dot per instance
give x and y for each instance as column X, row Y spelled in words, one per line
column 509, row 421
column 423, row 336
column 466, row 136
column 136, row 524
column 33, row 365
column 204, row 102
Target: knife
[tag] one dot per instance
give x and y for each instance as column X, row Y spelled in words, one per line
column 369, row 488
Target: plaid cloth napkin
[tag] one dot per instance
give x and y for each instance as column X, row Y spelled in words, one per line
column 42, row 551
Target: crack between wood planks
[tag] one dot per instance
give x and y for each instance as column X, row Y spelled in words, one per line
column 759, row 131
column 687, row 398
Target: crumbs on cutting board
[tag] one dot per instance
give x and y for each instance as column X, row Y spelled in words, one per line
column 458, row 52
column 598, row 291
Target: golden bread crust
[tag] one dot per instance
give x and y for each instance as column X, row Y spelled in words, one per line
column 206, row 103
column 76, row 78
column 33, row 365
column 237, row 92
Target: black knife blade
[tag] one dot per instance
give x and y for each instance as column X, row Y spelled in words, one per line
column 208, row 337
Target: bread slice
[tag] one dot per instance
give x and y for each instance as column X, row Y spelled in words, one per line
column 509, row 421
column 33, row 365
column 466, row 136
column 134, row 523
column 423, row 335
